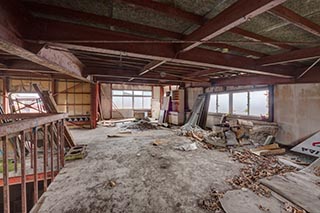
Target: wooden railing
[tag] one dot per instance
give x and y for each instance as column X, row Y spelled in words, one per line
column 23, row 132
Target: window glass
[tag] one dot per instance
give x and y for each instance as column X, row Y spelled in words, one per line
column 240, row 103
column 147, row 93
column 259, row 103
column 223, row 103
column 137, row 92
column 117, row 102
column 127, row 102
column 137, row 103
column 127, row 92
column 213, row 103
column 146, row 102
column 117, row 92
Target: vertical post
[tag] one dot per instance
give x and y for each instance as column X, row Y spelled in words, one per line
column 23, row 174
column 35, row 166
column 31, row 149
column 51, row 150
column 58, row 145
column 5, row 94
column 15, row 150
column 6, row 192
column 62, row 142
column 45, row 157
column 94, row 105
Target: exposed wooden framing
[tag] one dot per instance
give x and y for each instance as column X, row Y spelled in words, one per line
column 236, row 14
column 90, row 17
column 62, row 126
column 204, row 72
column 45, row 157
column 94, row 105
column 51, row 149
column 5, row 83
column 309, row 68
column 10, row 128
column 51, row 107
column 293, row 56
column 263, row 39
column 296, row 19
column 23, row 115
column 23, row 173
column 6, row 190
column 23, row 53
column 35, row 165
column 151, row 66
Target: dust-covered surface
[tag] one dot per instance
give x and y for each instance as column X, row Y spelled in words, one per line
column 130, row 174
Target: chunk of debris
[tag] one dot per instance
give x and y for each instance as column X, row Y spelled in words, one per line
column 291, row 209
column 158, row 142
column 112, row 183
column 76, row 152
column 139, row 125
column 271, row 149
column 231, row 138
column 212, row 202
column 187, row 147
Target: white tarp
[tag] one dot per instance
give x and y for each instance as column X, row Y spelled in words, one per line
column 310, row 146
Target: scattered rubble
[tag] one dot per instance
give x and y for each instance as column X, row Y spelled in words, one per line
column 139, row 125
column 212, row 202
column 292, row 209
column 257, row 167
column 317, row 171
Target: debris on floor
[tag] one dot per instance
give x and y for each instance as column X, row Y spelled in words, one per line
column 212, row 202
column 159, row 142
column 187, row 147
column 76, row 152
column 257, row 167
column 271, row 149
column 140, row 125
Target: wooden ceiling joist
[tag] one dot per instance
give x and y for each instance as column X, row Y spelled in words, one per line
column 231, row 17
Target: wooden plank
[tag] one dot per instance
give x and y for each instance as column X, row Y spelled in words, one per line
column 11, row 128
column 300, row 188
column 239, row 201
column 51, row 107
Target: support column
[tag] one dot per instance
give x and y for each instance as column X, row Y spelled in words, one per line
column 94, row 105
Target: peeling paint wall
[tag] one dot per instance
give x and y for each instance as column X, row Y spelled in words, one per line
column 296, row 110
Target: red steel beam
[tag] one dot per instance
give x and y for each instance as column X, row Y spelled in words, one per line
column 257, row 37
column 55, row 31
column 293, row 56
column 6, row 189
column 231, row 17
column 296, row 19
column 35, row 166
column 250, row 80
column 29, row 178
column 93, row 18
column 237, row 49
column 23, row 173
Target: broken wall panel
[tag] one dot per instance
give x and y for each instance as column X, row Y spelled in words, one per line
column 25, row 85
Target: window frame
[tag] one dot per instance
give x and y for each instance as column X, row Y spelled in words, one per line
column 248, row 116
column 132, row 95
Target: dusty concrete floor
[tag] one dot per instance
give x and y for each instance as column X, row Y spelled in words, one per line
column 148, row 178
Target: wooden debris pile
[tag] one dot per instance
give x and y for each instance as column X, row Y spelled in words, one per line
column 257, row 167
column 212, row 202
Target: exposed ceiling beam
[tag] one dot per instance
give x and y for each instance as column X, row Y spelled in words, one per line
column 55, row 31
column 93, row 18
column 25, row 54
column 265, row 40
column 233, row 16
column 237, row 49
column 250, row 80
column 204, row 72
column 296, row 55
column 151, row 66
column 167, row 9
column 296, row 19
